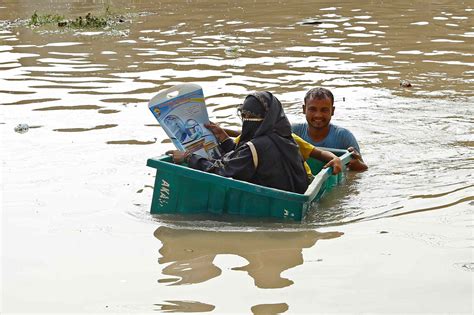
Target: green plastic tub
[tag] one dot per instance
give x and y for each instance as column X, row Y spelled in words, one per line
column 183, row 190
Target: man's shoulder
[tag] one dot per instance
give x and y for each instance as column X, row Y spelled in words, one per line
column 299, row 128
column 340, row 130
column 344, row 138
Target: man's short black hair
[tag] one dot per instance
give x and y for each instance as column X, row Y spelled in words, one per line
column 318, row 94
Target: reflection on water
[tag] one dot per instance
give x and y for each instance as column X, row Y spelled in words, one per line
column 198, row 307
column 189, row 254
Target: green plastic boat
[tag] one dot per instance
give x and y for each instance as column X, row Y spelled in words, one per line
column 182, row 190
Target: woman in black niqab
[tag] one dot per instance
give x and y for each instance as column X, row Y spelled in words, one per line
column 266, row 153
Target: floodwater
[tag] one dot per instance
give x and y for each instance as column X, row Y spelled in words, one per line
column 77, row 236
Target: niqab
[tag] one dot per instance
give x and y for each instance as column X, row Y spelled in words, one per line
column 276, row 128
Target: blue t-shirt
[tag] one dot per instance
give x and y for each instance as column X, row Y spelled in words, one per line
column 337, row 138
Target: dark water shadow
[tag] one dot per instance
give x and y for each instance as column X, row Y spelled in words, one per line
column 189, row 254
column 130, row 142
column 124, row 100
column 77, row 107
column 32, row 101
column 86, row 129
column 108, row 111
column 16, row 92
column 443, row 206
column 402, row 210
column 69, row 87
column 269, row 309
column 430, row 196
column 183, row 307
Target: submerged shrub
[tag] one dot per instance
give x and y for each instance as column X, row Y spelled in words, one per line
column 89, row 21
column 38, row 20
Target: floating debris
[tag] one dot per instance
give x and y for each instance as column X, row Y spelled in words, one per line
column 122, row 33
column 233, row 51
column 405, row 83
column 467, row 266
column 6, row 25
column 312, row 22
column 22, row 128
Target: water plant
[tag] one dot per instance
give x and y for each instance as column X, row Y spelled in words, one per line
column 89, row 21
column 43, row 19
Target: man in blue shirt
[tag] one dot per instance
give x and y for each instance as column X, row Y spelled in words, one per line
column 318, row 130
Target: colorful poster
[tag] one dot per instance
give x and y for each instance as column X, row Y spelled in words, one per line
column 181, row 112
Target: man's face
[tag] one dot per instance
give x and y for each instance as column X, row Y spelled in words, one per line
column 318, row 112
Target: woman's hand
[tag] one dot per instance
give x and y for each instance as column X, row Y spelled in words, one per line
column 336, row 165
column 220, row 134
column 178, row 156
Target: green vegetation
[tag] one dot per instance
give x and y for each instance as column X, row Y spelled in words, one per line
column 38, row 20
column 89, row 21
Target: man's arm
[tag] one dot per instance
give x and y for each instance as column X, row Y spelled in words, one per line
column 308, row 150
column 349, row 141
column 331, row 158
column 357, row 163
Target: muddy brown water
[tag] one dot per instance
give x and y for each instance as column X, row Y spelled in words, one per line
column 76, row 231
